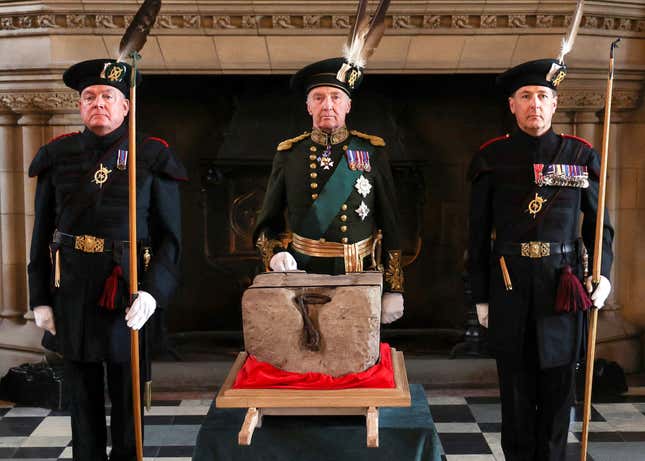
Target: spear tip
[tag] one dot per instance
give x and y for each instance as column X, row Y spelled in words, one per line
column 614, row 45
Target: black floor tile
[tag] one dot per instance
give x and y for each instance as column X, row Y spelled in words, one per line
column 7, row 452
column 451, row 414
column 37, row 452
column 464, row 444
column 158, row 419
column 3, row 411
column 189, row 419
column 474, row 400
column 633, row 436
column 601, row 436
column 150, row 452
column 18, row 426
column 579, row 413
column 490, row 427
column 166, row 403
column 178, row 451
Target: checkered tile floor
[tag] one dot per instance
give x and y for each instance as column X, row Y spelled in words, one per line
column 469, row 429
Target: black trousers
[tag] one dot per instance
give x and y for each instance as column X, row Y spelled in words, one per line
column 536, row 405
column 85, row 381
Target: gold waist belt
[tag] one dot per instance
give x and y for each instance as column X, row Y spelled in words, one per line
column 352, row 253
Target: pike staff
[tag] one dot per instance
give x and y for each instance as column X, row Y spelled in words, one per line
column 600, row 217
column 133, row 40
column 134, row 276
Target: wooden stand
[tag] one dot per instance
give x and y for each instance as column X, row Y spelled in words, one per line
column 314, row 402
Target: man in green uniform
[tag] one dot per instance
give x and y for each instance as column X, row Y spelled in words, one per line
column 337, row 187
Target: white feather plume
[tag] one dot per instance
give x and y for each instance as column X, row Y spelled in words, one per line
column 567, row 43
column 353, row 52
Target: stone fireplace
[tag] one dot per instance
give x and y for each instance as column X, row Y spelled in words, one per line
column 216, row 87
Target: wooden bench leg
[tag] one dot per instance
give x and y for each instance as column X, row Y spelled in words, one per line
column 372, row 427
column 248, row 426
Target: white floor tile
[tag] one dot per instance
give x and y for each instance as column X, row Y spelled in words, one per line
column 594, row 426
column 54, row 426
column 446, row 400
column 494, row 440
column 44, row 441
column 187, row 410
column 11, row 442
column 27, row 411
column 457, row 427
column 196, row 403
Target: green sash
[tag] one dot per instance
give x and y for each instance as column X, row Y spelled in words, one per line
column 334, row 194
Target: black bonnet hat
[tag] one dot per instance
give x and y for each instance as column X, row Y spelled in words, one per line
column 541, row 72
column 327, row 73
column 100, row 72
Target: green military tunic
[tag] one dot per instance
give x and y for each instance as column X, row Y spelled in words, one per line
column 301, row 171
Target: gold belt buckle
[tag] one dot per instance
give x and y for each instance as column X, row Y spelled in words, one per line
column 536, row 249
column 89, row 244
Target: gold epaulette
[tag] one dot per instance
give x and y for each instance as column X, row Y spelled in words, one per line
column 374, row 140
column 288, row 144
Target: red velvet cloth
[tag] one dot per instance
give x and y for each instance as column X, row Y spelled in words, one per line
column 255, row 374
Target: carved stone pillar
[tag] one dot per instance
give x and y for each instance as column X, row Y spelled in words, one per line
column 35, row 118
column 10, row 200
column 582, row 114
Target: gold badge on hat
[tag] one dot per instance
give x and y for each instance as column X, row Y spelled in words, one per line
column 558, row 79
column 353, row 76
column 535, row 205
column 101, row 175
column 113, row 71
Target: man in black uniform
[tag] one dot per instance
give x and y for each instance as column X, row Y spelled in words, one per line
column 337, row 187
column 528, row 190
column 78, row 270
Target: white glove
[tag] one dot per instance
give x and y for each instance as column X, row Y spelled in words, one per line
column 141, row 310
column 482, row 314
column 44, row 318
column 282, row 262
column 391, row 307
column 599, row 296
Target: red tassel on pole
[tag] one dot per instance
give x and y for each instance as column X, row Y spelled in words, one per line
column 571, row 296
column 110, row 288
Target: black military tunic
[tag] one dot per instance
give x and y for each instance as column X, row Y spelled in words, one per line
column 65, row 168
column 503, row 185
column 297, row 178
column 71, row 201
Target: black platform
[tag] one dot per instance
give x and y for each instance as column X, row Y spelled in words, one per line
column 405, row 434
